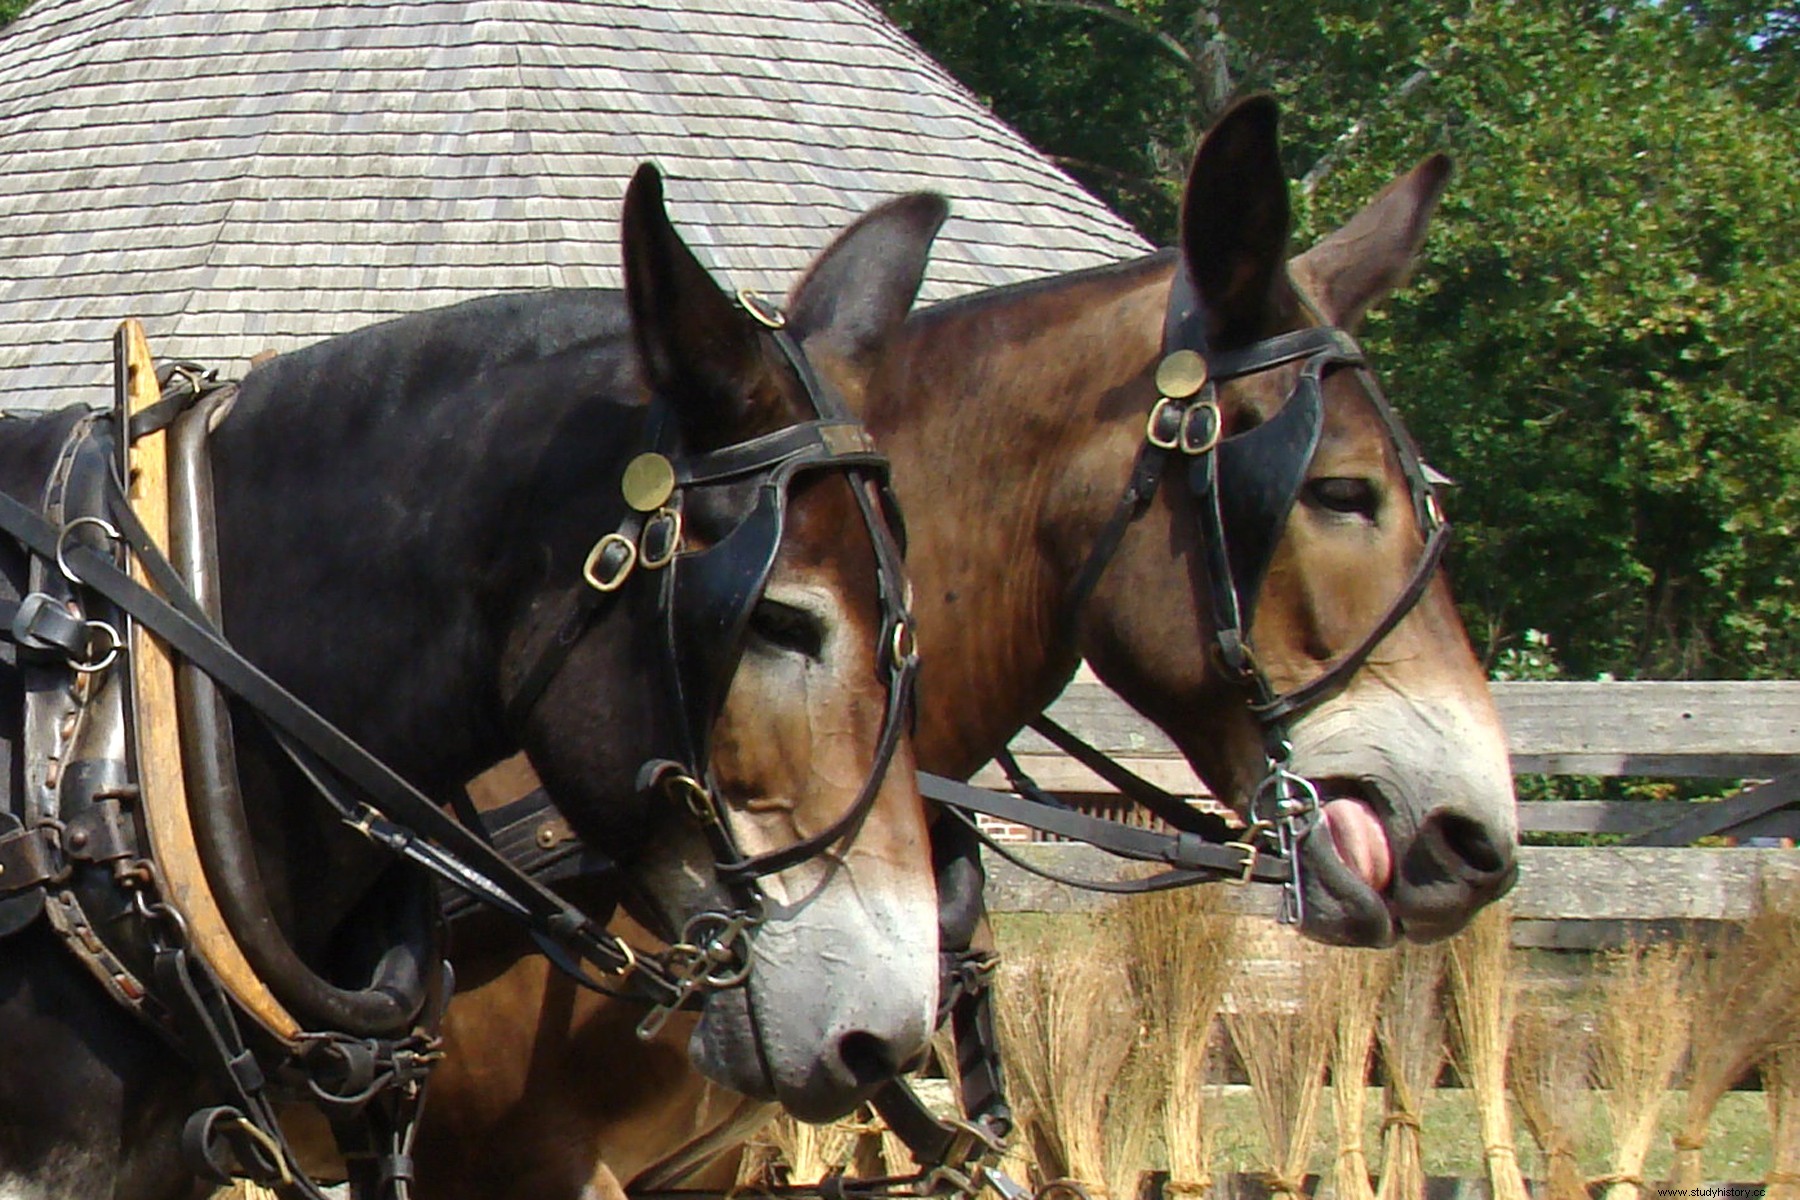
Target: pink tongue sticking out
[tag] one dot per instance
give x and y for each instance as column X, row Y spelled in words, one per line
column 1361, row 842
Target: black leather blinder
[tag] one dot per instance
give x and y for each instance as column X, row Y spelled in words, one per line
column 711, row 595
column 1258, row 475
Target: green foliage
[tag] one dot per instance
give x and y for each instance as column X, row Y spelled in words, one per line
column 1600, row 345
column 10, row 9
column 1119, row 92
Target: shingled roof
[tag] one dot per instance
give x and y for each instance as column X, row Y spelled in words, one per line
column 257, row 174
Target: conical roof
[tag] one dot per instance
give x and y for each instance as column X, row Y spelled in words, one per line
column 257, row 174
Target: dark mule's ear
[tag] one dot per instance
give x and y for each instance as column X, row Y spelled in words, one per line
column 1355, row 267
column 858, row 291
column 698, row 347
column 1234, row 225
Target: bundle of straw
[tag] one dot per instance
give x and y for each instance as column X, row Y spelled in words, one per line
column 1182, row 947
column 1549, row 1079
column 1640, row 1036
column 1357, row 979
column 1067, row 1028
column 1410, row 1033
column 244, row 1189
column 1745, row 986
column 1781, row 1085
column 1283, row 1035
column 1483, row 1004
column 759, row 1163
column 811, row 1152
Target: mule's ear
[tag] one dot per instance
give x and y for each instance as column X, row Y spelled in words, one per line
column 858, row 291
column 1234, row 225
column 1351, row 270
column 698, row 348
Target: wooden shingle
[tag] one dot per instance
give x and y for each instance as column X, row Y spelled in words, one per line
column 258, row 174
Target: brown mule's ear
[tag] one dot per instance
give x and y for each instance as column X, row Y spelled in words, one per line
column 698, row 348
column 1354, row 268
column 860, row 288
column 1234, row 225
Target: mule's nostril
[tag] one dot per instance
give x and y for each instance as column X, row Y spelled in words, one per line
column 868, row 1058
column 1468, row 839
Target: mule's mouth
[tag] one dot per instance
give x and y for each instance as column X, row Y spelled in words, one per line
column 1360, row 840
column 1347, row 868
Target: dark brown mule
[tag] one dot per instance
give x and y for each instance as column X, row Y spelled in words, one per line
column 408, row 516
column 1013, row 419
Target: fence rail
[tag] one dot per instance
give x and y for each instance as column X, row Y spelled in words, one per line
column 1567, row 897
column 1671, row 730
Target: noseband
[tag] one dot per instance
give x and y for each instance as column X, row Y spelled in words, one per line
column 1244, row 488
column 705, row 598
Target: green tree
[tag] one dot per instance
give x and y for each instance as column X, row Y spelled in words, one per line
column 1119, row 91
column 1600, row 344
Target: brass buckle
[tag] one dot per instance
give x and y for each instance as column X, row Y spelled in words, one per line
column 692, row 793
column 1250, row 853
column 670, row 519
column 845, row 438
column 1168, row 441
column 1214, row 430
column 631, row 957
column 763, row 312
column 612, row 582
column 905, row 647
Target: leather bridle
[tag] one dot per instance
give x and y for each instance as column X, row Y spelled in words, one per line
column 705, row 598
column 1243, row 488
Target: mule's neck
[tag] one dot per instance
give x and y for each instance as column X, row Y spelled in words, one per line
column 1012, row 424
column 385, row 497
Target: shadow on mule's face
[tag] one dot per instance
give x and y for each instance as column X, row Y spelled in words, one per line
column 1418, row 828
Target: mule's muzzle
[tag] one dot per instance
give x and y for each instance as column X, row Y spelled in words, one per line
column 1453, row 866
column 816, row 1081
column 1450, row 866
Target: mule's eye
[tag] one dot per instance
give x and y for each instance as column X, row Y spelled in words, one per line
column 1343, row 494
column 788, row 627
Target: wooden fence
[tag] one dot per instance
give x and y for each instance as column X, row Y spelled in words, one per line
column 1571, row 897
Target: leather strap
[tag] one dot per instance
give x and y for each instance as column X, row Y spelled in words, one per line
column 1194, row 860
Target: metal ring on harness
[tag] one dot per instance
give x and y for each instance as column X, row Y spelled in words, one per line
column 62, row 539
column 719, row 944
column 113, row 641
column 160, row 912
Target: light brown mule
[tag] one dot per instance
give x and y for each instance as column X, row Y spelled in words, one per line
column 1012, row 420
